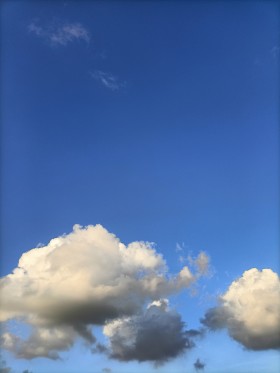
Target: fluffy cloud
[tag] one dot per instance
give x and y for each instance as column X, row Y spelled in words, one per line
column 250, row 310
column 44, row 342
column 81, row 279
column 156, row 335
column 60, row 35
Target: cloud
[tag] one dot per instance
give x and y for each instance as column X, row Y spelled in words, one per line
column 156, row 335
column 3, row 367
column 27, row 371
column 179, row 247
column 78, row 280
column 198, row 365
column 108, row 80
column 249, row 310
column 5, row 370
column 60, row 34
column 106, row 370
column 201, row 263
column 275, row 51
column 43, row 342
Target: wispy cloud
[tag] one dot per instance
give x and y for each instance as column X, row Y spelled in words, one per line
column 108, row 80
column 275, row 51
column 198, row 365
column 60, row 35
column 106, row 370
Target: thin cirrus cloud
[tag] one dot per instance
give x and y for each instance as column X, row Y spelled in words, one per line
column 79, row 280
column 60, row 35
column 249, row 310
column 108, row 80
column 63, row 34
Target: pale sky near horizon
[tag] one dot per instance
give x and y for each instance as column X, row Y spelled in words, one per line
column 152, row 123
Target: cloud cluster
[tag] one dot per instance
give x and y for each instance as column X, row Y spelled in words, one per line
column 62, row 34
column 157, row 335
column 249, row 310
column 85, row 278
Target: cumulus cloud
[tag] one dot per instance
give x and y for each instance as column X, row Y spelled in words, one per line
column 43, row 342
column 156, row 335
column 78, row 280
column 60, row 34
column 107, row 79
column 249, row 310
column 198, row 365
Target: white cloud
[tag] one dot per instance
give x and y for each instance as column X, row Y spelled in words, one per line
column 60, row 34
column 81, row 279
column 250, row 310
column 107, row 79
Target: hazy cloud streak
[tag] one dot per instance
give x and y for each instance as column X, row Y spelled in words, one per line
column 107, row 79
column 60, row 35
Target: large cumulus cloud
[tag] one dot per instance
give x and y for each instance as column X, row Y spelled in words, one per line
column 250, row 310
column 81, row 279
column 157, row 335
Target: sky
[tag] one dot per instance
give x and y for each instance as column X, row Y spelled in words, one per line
column 140, row 187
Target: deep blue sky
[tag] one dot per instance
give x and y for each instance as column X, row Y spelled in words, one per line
column 185, row 150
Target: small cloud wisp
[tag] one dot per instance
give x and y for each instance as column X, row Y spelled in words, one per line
column 61, row 35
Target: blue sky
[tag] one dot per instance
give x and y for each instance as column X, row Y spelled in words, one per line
column 159, row 121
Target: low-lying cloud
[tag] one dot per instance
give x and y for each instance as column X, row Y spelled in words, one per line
column 157, row 335
column 249, row 310
column 85, row 278
column 198, row 365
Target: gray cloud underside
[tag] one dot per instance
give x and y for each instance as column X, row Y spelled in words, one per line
column 156, row 335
